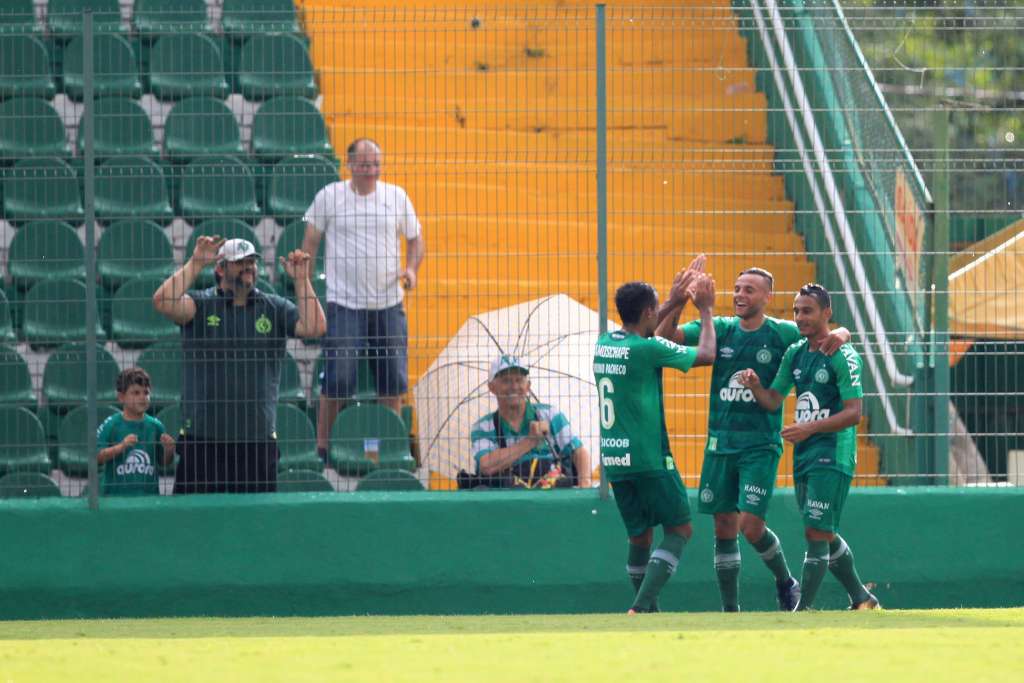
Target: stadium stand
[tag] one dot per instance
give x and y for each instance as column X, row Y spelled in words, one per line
column 15, row 380
column 130, row 249
column 274, row 65
column 153, row 18
column 64, row 381
column 286, row 126
column 186, row 65
column 17, row 18
column 55, row 313
column 121, row 127
column 294, row 181
column 296, row 440
column 65, row 17
column 22, row 442
column 163, row 361
column 243, row 18
column 289, row 239
column 40, row 189
column 72, row 452
column 24, row 65
column 303, row 481
column 389, row 480
column 198, row 126
column 217, row 187
column 132, row 187
column 6, row 323
column 28, row 485
column 135, row 322
column 30, row 127
column 45, row 250
column 115, row 68
column 359, row 428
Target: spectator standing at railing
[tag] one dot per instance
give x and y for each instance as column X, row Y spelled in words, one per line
column 233, row 342
column 363, row 219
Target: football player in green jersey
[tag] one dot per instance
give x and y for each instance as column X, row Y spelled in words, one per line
column 635, row 452
column 743, row 448
column 824, row 434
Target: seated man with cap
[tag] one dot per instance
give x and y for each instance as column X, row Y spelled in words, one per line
column 233, row 342
column 522, row 443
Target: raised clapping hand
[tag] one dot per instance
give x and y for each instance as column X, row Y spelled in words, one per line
column 167, row 440
column 206, row 249
column 128, row 441
column 749, row 379
column 297, row 265
column 683, row 282
column 703, row 292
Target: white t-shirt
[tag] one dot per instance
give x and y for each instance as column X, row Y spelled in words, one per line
column 363, row 253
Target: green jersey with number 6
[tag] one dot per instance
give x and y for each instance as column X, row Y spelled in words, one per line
column 627, row 369
column 735, row 422
column 822, row 384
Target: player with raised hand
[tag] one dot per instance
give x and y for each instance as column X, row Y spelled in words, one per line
column 741, row 456
column 824, row 434
column 635, row 450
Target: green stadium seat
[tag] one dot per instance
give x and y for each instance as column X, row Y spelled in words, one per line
column 170, row 417
column 116, row 70
column 65, row 17
column 30, row 127
column 199, row 126
column 17, row 17
column 217, row 187
column 40, row 189
column 294, row 182
column 64, row 382
column 289, row 125
column 6, row 324
column 135, row 322
column 275, row 66
column 302, row 481
column 288, row 241
column 186, row 65
column 132, row 187
column 389, row 480
column 229, row 229
column 131, row 249
column 22, row 442
column 360, row 428
column 45, row 250
column 290, row 388
column 242, row 18
column 296, row 440
column 120, row 128
column 24, row 67
column 55, row 313
column 72, row 452
column 163, row 363
column 28, row 485
column 15, row 380
column 155, row 17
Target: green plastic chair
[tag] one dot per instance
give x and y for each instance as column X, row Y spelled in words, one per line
column 131, row 249
column 55, row 313
column 302, row 481
column 24, row 65
column 132, row 187
column 15, row 380
column 163, row 362
column 6, row 324
column 45, row 250
column 120, row 128
column 116, row 70
column 135, row 322
column 17, row 18
column 289, row 240
column 72, row 453
column 186, row 65
column 153, row 18
column 65, row 17
column 64, row 383
column 243, row 18
column 289, row 125
column 273, row 66
column 199, row 126
column 296, row 440
column 217, row 187
column 389, row 480
column 28, row 485
column 40, row 189
column 228, row 228
column 359, row 429
column 294, row 183
column 30, row 127
column 22, row 442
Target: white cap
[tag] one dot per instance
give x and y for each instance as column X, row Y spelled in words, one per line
column 507, row 362
column 236, row 250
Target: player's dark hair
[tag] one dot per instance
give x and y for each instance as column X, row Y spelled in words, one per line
column 632, row 299
column 353, row 146
column 763, row 273
column 130, row 377
column 818, row 293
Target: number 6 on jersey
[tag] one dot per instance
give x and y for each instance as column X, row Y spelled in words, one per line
column 604, row 390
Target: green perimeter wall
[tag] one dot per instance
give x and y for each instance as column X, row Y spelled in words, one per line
column 477, row 552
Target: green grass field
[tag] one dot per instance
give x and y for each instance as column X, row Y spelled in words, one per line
column 942, row 645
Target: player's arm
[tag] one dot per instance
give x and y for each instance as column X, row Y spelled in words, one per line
column 767, row 397
column 501, row 459
column 847, row 417
column 171, row 299
column 704, row 300
column 679, row 294
column 111, row 452
column 835, row 339
column 167, row 443
column 312, row 322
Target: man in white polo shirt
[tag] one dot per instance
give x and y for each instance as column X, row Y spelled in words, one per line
column 363, row 219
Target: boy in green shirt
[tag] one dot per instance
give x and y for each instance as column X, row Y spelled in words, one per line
column 829, row 398
column 130, row 440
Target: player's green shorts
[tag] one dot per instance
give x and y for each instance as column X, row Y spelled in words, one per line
column 738, row 481
column 821, row 495
column 650, row 500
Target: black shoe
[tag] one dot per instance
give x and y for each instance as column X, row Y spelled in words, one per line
column 788, row 594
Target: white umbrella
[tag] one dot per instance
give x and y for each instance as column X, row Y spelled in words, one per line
column 554, row 336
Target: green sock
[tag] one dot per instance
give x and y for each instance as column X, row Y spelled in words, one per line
column 636, row 564
column 661, row 566
column 770, row 549
column 727, row 567
column 815, row 566
column 840, row 563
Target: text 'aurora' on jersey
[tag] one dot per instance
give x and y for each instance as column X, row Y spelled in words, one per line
column 735, row 391
column 808, row 410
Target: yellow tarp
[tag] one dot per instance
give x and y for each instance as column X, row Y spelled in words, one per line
column 985, row 281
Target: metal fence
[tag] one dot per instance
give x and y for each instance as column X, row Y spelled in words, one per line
column 548, row 154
